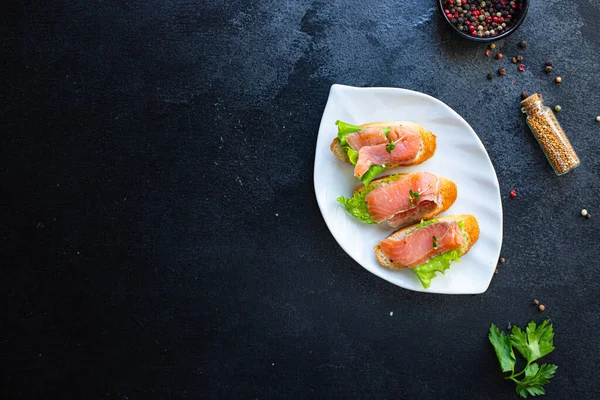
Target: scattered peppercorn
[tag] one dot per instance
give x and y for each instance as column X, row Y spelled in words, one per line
column 502, row 71
column 492, row 46
column 488, row 52
column 514, row 60
column 584, row 212
column 513, row 193
column 498, row 56
column 490, row 76
column 558, row 79
column 549, row 63
column 502, row 260
column 598, row 118
column 588, row 216
column 496, row 271
column 520, row 58
column 509, row 326
column 524, row 95
column 541, row 307
column 521, row 67
column 557, row 108
column 523, row 44
column 536, row 302
column 548, row 69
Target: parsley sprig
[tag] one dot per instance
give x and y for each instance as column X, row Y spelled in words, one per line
column 533, row 343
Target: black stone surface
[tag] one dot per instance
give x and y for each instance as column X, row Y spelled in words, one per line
column 160, row 234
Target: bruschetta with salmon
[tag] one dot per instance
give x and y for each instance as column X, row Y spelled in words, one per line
column 401, row 199
column 429, row 246
column 376, row 146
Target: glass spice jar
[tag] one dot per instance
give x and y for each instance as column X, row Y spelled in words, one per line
column 549, row 134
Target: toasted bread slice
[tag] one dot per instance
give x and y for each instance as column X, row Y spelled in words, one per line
column 471, row 229
column 428, row 143
column 448, row 195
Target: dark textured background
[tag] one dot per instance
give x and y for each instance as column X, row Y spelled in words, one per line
column 159, row 230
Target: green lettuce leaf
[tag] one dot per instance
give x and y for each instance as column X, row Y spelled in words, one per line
column 344, row 129
column 426, row 272
column 371, row 173
column 357, row 205
column 352, row 155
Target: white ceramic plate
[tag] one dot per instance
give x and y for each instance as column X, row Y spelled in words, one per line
column 460, row 156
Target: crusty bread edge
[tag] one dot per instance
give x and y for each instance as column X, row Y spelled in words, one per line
column 427, row 137
column 471, row 228
column 339, row 151
column 448, row 194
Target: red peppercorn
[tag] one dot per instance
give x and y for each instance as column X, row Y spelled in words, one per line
column 495, row 19
column 501, row 19
column 456, row 15
column 513, row 193
column 521, row 67
column 450, row 1
column 488, row 19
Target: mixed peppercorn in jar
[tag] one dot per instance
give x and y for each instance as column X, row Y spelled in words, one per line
column 484, row 19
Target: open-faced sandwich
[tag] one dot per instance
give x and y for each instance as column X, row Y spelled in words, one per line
column 373, row 147
column 401, row 199
column 430, row 246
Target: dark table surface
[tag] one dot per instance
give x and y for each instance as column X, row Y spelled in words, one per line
column 160, row 232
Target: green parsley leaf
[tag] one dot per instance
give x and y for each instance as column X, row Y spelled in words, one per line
column 535, row 342
column 502, row 346
column 535, row 377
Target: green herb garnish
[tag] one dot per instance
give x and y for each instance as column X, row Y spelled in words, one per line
column 413, row 196
column 534, row 343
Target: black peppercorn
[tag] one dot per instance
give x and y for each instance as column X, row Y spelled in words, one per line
column 502, row 71
column 520, row 58
column 549, row 63
column 523, row 44
column 524, row 95
column 548, row 68
column 490, row 76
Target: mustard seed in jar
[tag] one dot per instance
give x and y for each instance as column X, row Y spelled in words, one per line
column 549, row 134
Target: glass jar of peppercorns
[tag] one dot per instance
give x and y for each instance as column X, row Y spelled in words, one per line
column 549, row 134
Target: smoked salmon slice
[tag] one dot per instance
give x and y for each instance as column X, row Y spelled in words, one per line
column 420, row 245
column 407, row 142
column 366, row 137
column 404, row 200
